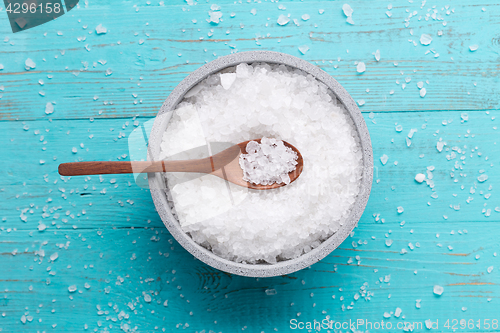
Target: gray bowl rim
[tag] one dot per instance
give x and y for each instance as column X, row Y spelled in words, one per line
column 282, row 267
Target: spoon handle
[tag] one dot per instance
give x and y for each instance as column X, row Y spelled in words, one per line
column 204, row 165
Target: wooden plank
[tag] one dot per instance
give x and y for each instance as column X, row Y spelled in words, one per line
column 152, row 69
column 121, row 265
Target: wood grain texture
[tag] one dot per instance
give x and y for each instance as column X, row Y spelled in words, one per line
column 107, row 234
column 161, row 45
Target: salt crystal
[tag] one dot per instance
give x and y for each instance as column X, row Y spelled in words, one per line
column 271, row 292
column 54, row 256
column 482, row 178
column 397, row 313
column 49, row 108
column 147, row 298
column 420, row 177
column 400, row 210
column 214, row 17
column 420, row 85
column 388, row 242
column 425, row 39
column 440, row 145
column 412, row 131
column 283, row 20
column 42, row 227
column 464, row 116
column 384, row 159
column 438, row 290
column 473, row 47
column 490, row 269
column 227, row 80
column 399, row 128
column 377, row 55
column 305, row 17
column 100, row 29
column 347, row 10
column 253, row 11
column 72, row 288
column 360, row 68
column 30, row 64
column 423, row 91
column 303, row 49
column 350, row 20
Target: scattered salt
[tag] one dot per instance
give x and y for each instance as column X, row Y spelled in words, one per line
column 425, row 39
column 420, row 177
column 482, row 178
column 361, row 67
column 423, row 91
column 214, row 17
column 100, row 29
column 347, row 10
column 271, row 292
column 72, row 288
column 30, row 64
column 473, row 47
column 49, row 108
column 384, row 158
column 438, row 290
column 303, row 49
column 283, row 20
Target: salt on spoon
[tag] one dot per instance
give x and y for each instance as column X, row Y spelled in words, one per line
column 286, row 167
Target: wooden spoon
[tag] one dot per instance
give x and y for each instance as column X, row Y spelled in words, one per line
column 224, row 165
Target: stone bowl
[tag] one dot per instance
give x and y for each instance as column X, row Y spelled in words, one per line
column 157, row 182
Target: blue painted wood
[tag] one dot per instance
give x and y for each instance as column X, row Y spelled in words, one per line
column 112, row 246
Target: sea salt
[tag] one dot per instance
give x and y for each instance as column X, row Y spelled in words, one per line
column 425, row 39
column 420, row 177
column 283, row 20
column 272, row 101
column 347, row 10
column 100, row 29
column 49, row 108
column 268, row 162
column 438, row 290
column 303, row 49
column 473, row 47
column 30, row 64
column 361, row 67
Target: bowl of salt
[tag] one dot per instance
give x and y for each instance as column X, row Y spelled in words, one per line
column 250, row 95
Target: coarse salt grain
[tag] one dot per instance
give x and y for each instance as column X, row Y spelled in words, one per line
column 252, row 226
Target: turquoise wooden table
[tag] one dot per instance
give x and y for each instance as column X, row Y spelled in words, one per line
column 91, row 254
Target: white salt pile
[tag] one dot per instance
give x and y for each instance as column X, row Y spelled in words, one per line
column 254, row 101
column 268, row 162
